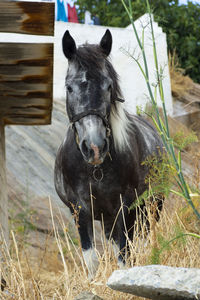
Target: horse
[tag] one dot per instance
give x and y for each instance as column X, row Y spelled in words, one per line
column 103, row 149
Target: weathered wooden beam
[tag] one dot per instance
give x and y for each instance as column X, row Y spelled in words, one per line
column 26, row 80
column 26, row 83
column 27, row 17
column 27, row 120
column 3, row 191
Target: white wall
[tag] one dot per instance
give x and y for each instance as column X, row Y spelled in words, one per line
column 132, row 82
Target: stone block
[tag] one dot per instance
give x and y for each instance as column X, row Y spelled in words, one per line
column 158, row 282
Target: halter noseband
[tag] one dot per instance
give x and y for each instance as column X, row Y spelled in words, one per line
column 79, row 116
column 88, row 112
column 83, row 114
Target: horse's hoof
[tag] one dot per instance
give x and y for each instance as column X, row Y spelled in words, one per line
column 120, row 264
column 3, row 284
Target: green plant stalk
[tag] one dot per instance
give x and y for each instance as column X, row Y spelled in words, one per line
column 141, row 47
column 178, row 237
column 180, row 186
column 182, row 182
column 139, row 65
column 159, row 80
column 146, row 70
column 162, row 128
column 177, row 162
column 159, row 251
column 166, row 127
column 147, row 74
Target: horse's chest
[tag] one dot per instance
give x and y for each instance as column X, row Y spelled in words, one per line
column 103, row 186
column 106, row 198
column 107, row 192
column 108, row 185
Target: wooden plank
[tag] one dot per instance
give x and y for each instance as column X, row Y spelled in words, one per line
column 27, row 120
column 26, row 54
column 3, row 190
column 26, row 83
column 27, row 17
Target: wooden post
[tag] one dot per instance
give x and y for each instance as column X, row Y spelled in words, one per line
column 3, row 189
column 26, row 87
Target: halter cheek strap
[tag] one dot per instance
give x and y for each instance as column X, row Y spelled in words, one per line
column 120, row 100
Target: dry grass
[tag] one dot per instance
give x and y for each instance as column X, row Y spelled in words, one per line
column 180, row 84
column 58, row 271
column 55, row 268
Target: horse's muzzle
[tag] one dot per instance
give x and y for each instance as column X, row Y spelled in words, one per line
column 94, row 153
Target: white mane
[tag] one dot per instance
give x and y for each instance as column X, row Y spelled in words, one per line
column 121, row 127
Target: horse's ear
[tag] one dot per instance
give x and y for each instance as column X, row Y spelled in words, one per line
column 106, row 42
column 69, row 45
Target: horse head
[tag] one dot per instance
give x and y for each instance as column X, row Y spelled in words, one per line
column 90, row 90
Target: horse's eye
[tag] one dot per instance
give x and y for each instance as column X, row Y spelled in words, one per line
column 69, row 88
column 84, row 84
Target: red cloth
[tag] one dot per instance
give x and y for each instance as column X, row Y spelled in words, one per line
column 72, row 15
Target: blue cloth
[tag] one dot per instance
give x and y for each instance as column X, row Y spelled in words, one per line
column 61, row 14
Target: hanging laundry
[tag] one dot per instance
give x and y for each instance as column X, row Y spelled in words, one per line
column 96, row 20
column 72, row 14
column 62, row 10
column 88, row 19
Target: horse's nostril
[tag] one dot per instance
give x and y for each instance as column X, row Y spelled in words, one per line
column 84, row 147
column 105, row 146
column 94, row 152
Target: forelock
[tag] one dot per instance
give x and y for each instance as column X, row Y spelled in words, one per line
column 90, row 59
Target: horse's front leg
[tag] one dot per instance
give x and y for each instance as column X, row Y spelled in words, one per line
column 86, row 236
column 121, row 233
column 125, row 227
column 127, row 219
column 123, row 237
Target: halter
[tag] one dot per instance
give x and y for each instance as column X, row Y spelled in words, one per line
column 97, row 171
column 79, row 116
column 88, row 112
